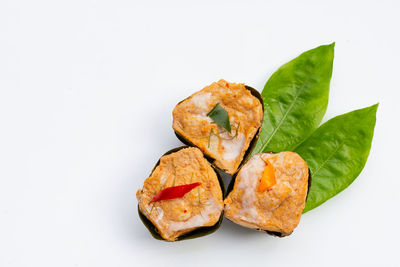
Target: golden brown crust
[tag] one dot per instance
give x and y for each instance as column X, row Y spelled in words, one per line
column 200, row 207
column 278, row 209
column 245, row 112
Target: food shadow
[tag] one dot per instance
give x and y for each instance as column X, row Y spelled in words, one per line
column 226, row 178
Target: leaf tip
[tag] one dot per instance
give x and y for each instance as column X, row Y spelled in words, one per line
column 374, row 107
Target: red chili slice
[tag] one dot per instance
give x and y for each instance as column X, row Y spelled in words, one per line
column 174, row 192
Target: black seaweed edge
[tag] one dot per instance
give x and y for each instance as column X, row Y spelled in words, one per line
column 276, row 234
column 252, row 144
column 199, row 232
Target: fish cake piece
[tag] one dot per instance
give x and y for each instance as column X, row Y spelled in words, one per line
column 245, row 112
column 198, row 208
column 277, row 209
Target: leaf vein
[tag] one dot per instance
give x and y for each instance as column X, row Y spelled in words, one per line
column 282, row 119
column 329, row 156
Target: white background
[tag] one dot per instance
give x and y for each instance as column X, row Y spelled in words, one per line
column 87, row 90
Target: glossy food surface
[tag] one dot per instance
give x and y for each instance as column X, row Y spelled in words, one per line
column 245, row 112
column 199, row 207
column 277, row 209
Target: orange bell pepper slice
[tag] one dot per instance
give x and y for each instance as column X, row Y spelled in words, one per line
column 268, row 178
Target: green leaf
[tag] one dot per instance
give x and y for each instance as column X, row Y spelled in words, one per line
column 295, row 100
column 220, row 116
column 337, row 152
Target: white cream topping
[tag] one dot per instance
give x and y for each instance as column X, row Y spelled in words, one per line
column 212, row 208
column 233, row 148
column 203, row 117
column 160, row 214
column 163, row 179
column 201, row 101
column 248, row 181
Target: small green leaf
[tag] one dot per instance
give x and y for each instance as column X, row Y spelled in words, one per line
column 337, row 152
column 220, row 116
column 295, row 100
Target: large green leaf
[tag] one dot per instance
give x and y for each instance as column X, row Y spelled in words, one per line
column 295, row 100
column 336, row 153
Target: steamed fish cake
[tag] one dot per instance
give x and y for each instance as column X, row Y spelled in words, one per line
column 269, row 193
column 182, row 194
column 227, row 146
